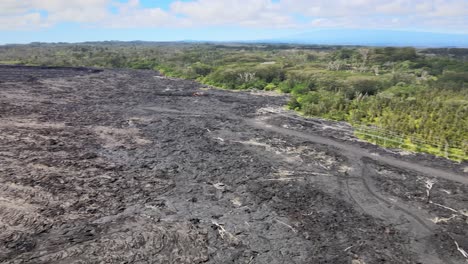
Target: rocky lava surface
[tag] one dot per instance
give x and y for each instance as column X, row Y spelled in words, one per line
column 123, row 166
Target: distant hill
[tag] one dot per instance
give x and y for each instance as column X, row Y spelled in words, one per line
column 376, row 38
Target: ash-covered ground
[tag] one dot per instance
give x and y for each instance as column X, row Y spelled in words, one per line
column 121, row 166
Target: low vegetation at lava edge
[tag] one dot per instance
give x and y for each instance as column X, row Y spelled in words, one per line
column 415, row 99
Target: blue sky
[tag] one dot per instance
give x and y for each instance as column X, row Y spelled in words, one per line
column 23, row 21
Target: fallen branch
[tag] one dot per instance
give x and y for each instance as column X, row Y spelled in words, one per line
column 437, row 219
column 445, row 207
column 284, row 179
column 283, row 223
column 462, row 251
column 319, row 174
column 220, row 186
column 225, row 234
column 348, row 248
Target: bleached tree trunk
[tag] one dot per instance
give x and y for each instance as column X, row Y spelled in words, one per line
column 365, row 54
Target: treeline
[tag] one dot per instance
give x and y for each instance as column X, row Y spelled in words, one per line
column 421, row 94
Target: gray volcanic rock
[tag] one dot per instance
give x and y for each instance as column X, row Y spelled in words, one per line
column 124, row 166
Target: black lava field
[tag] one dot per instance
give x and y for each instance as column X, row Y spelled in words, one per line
column 128, row 166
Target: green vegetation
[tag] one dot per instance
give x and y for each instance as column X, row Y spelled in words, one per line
column 396, row 97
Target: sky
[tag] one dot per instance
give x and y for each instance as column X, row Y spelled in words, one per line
column 24, row 21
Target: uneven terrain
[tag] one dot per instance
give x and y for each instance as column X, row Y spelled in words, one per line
column 121, row 166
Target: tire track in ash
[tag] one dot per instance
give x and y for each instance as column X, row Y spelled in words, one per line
column 422, row 229
column 415, row 221
column 367, row 183
column 348, row 190
column 361, row 171
column 357, row 151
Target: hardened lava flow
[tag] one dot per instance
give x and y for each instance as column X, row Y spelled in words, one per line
column 127, row 166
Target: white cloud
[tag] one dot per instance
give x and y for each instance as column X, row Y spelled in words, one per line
column 13, row 7
column 84, row 11
column 22, row 21
column 232, row 12
column 131, row 16
column 29, row 14
column 424, row 14
column 331, row 8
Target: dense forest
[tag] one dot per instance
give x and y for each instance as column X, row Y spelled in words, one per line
column 416, row 99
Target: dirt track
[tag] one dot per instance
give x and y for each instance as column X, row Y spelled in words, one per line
column 120, row 166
